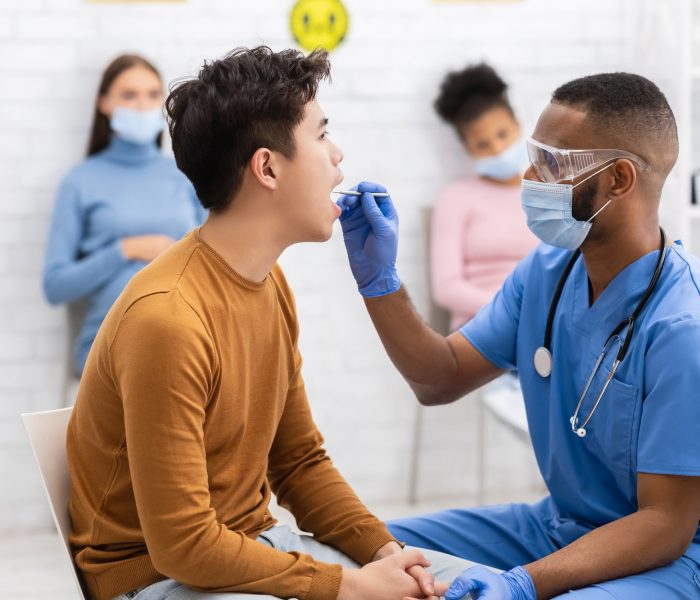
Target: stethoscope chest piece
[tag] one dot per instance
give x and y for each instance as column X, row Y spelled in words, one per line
column 579, row 431
column 543, row 355
column 543, row 362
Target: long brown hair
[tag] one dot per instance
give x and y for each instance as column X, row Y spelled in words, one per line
column 100, row 134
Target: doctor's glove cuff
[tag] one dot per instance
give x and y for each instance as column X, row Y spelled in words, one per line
column 482, row 583
column 387, row 282
column 520, row 583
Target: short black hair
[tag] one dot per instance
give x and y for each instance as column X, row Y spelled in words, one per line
column 626, row 105
column 467, row 94
column 251, row 98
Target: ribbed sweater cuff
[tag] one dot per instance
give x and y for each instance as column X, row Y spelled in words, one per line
column 124, row 577
column 325, row 583
column 365, row 545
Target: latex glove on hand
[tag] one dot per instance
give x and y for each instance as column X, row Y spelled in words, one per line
column 484, row 584
column 371, row 233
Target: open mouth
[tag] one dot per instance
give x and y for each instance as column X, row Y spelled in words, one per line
column 339, row 180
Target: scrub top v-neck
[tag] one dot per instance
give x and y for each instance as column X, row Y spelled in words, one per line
column 646, row 421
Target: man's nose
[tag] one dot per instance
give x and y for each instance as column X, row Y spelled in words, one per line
column 337, row 155
column 531, row 174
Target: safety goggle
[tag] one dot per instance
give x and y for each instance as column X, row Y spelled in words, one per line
column 553, row 165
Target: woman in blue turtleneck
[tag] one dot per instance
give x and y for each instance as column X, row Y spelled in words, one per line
column 123, row 206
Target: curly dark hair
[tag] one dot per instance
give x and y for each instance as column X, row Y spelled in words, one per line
column 251, row 98
column 467, row 94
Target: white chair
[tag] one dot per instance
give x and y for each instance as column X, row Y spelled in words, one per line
column 75, row 316
column 439, row 320
column 47, row 437
column 505, row 402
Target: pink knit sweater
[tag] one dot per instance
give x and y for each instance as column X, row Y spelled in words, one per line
column 478, row 235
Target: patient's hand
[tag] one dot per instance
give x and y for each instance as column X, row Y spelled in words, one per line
column 385, row 579
column 440, row 591
column 387, row 550
column 424, row 579
column 145, row 247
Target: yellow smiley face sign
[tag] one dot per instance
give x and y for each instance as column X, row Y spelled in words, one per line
column 319, row 23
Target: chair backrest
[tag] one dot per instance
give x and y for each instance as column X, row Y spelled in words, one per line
column 47, row 437
column 75, row 316
column 438, row 317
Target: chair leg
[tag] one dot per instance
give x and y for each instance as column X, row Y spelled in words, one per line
column 416, row 448
column 481, row 451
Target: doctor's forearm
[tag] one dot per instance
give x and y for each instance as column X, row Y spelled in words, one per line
column 642, row 541
column 421, row 355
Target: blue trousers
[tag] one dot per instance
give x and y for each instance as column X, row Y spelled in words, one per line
column 517, row 534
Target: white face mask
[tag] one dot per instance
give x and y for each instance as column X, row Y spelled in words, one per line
column 508, row 164
column 137, row 126
column 548, row 208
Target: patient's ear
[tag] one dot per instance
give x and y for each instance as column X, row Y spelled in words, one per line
column 265, row 167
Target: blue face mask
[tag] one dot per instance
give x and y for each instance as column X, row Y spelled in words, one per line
column 137, row 126
column 548, row 208
column 508, row 164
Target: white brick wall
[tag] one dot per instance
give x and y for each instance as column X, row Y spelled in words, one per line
column 385, row 78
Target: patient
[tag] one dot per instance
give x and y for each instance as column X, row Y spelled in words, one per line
column 192, row 409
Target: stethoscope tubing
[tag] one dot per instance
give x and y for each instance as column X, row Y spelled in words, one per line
column 545, row 352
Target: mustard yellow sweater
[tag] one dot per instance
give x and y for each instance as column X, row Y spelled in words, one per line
column 191, row 411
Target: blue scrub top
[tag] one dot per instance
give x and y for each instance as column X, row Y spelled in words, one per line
column 648, row 419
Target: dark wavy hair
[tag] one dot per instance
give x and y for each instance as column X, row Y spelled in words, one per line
column 100, row 132
column 250, row 99
column 467, row 94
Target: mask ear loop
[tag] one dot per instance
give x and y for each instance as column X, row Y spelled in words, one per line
column 592, row 175
column 600, row 210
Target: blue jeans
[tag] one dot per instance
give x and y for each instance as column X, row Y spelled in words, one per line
column 281, row 537
column 517, row 534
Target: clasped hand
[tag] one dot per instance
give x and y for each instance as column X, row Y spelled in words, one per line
column 397, row 576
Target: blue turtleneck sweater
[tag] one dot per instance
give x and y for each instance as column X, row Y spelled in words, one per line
column 124, row 190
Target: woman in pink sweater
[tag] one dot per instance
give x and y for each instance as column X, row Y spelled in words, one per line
column 479, row 231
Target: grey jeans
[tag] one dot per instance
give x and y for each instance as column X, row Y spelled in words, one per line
column 281, row 537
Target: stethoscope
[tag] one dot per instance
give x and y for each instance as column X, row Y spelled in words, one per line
column 543, row 354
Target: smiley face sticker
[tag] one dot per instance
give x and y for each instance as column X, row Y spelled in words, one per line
column 319, row 23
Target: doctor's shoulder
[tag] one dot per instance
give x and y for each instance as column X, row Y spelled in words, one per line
column 543, row 263
column 680, row 285
column 675, row 304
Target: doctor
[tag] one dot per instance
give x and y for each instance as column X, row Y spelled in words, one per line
column 602, row 323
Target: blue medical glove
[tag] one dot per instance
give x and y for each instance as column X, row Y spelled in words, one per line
column 484, row 584
column 371, row 233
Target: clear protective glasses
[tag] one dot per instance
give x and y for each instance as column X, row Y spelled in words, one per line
column 554, row 165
